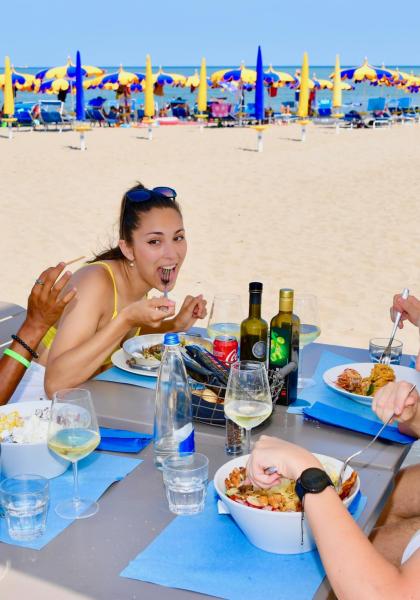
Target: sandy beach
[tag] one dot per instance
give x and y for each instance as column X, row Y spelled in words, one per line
column 337, row 216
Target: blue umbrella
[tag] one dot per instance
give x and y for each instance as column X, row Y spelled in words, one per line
column 259, row 88
column 80, row 103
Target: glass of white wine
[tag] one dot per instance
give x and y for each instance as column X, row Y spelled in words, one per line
column 226, row 316
column 73, row 433
column 306, row 308
column 248, row 398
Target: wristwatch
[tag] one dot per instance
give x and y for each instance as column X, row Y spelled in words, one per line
column 312, row 481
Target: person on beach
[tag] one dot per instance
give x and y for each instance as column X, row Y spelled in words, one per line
column 112, row 302
column 45, row 306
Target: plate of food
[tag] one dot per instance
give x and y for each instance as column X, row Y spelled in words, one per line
column 272, row 519
column 360, row 381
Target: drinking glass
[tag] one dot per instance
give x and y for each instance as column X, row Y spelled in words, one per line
column 248, row 398
column 185, row 478
column 73, row 433
column 305, row 306
column 25, row 502
column 225, row 316
column 378, row 345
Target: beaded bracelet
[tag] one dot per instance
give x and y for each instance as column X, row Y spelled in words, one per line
column 24, row 361
column 25, row 345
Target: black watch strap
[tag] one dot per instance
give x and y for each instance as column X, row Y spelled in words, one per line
column 312, row 481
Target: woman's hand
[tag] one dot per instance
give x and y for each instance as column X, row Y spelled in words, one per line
column 288, row 459
column 409, row 309
column 392, row 399
column 149, row 311
column 193, row 308
column 45, row 305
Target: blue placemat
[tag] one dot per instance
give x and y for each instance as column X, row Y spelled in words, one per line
column 324, row 404
column 121, row 440
column 208, row 553
column 119, row 376
column 96, row 473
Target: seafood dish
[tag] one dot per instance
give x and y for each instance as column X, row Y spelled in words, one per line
column 281, row 497
column 352, row 381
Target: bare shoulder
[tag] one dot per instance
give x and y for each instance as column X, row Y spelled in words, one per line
column 94, row 277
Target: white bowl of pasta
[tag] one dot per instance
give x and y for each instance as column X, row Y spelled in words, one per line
column 275, row 529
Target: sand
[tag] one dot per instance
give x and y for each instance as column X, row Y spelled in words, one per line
column 337, row 216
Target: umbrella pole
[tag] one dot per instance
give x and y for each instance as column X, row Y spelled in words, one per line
column 10, row 131
column 303, row 133
column 82, row 141
column 259, row 141
column 149, row 132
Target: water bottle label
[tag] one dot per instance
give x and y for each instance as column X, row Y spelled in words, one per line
column 187, row 445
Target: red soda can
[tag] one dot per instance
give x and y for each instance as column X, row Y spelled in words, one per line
column 225, row 348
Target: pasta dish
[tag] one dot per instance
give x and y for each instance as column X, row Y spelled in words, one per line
column 351, row 380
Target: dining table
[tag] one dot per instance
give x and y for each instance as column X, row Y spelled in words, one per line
column 86, row 559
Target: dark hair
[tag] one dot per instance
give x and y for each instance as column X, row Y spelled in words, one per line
column 130, row 218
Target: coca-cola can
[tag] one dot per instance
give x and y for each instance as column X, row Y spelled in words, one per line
column 225, row 348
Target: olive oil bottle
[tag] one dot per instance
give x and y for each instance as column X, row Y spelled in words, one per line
column 254, row 330
column 284, row 345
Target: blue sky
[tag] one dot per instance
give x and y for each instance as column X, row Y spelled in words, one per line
column 43, row 33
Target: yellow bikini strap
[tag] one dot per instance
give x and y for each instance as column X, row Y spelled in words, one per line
column 111, row 274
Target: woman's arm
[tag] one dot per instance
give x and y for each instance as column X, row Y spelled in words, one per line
column 193, row 308
column 44, row 309
column 85, row 339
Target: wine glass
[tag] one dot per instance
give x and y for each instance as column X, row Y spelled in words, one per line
column 73, row 433
column 305, row 306
column 225, row 316
column 248, row 398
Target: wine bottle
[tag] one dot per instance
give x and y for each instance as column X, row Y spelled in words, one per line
column 284, row 345
column 254, row 329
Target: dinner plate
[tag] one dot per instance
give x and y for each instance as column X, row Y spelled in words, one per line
column 119, row 359
column 401, row 374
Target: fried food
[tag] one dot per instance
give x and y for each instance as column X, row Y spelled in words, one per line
column 351, row 380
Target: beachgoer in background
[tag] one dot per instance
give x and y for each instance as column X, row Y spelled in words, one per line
column 112, row 302
column 311, row 102
column 45, row 306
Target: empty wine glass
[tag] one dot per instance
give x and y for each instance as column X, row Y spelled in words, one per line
column 248, row 398
column 226, row 316
column 306, row 308
column 73, row 433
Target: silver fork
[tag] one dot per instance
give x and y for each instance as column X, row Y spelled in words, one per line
column 166, row 274
column 386, row 354
column 346, row 462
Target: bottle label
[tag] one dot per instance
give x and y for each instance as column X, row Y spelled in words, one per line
column 259, row 350
column 185, row 438
column 279, row 346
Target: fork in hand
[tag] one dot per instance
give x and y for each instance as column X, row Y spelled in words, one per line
column 386, row 354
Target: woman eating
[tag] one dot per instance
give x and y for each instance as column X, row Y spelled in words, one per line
column 111, row 304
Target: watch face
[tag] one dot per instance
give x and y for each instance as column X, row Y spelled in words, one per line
column 314, row 480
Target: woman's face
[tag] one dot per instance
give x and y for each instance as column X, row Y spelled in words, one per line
column 159, row 243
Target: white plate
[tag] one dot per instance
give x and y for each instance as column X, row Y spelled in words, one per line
column 401, row 374
column 119, row 359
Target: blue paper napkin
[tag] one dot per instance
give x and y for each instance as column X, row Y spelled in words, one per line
column 119, row 376
column 96, row 473
column 208, row 553
column 329, row 406
column 120, row 440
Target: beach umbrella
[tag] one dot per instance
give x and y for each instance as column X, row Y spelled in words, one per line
column 336, row 95
column 53, row 86
column 193, row 81
column 8, row 100
column 175, row 79
column 259, row 88
column 202, row 93
column 21, row 81
column 304, row 95
column 297, row 83
column 113, row 81
column 80, row 99
column 365, row 72
column 149, row 103
column 68, row 71
column 277, row 78
column 241, row 75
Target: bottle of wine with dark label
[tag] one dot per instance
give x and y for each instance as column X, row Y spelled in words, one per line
column 284, row 345
column 254, row 330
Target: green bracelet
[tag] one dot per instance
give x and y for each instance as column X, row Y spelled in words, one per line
column 26, row 363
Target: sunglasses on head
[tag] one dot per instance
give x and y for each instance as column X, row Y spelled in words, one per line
column 143, row 195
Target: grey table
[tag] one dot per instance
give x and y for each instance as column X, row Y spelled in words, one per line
column 86, row 559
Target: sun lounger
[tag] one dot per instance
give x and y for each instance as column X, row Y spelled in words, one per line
column 377, row 113
column 97, row 117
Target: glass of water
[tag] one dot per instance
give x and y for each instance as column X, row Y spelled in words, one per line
column 378, row 345
column 25, row 502
column 185, row 479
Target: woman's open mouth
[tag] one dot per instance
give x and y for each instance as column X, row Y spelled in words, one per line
column 167, row 275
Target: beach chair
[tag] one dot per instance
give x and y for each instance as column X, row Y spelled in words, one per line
column 179, row 112
column 98, row 117
column 377, row 113
column 408, row 114
column 288, row 112
column 23, row 115
column 324, row 109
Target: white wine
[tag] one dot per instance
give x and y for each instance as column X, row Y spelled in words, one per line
column 308, row 334
column 75, row 443
column 247, row 413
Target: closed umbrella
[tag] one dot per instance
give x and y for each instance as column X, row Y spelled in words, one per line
column 336, row 95
column 149, row 103
column 304, row 95
column 202, row 94
column 81, row 127
column 259, row 100
column 8, row 100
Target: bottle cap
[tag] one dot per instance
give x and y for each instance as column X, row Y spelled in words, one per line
column 255, row 286
column 286, row 300
column 171, row 339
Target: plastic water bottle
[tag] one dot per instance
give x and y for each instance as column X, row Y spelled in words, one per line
column 173, row 428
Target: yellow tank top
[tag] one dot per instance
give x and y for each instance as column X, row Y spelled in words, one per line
column 48, row 338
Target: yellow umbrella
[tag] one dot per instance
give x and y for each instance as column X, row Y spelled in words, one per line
column 149, row 104
column 304, row 88
column 202, row 88
column 336, row 95
column 193, row 81
column 9, row 103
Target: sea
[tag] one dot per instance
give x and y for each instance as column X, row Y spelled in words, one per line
column 356, row 98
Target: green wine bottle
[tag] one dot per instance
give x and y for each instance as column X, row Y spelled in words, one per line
column 284, row 345
column 254, row 329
